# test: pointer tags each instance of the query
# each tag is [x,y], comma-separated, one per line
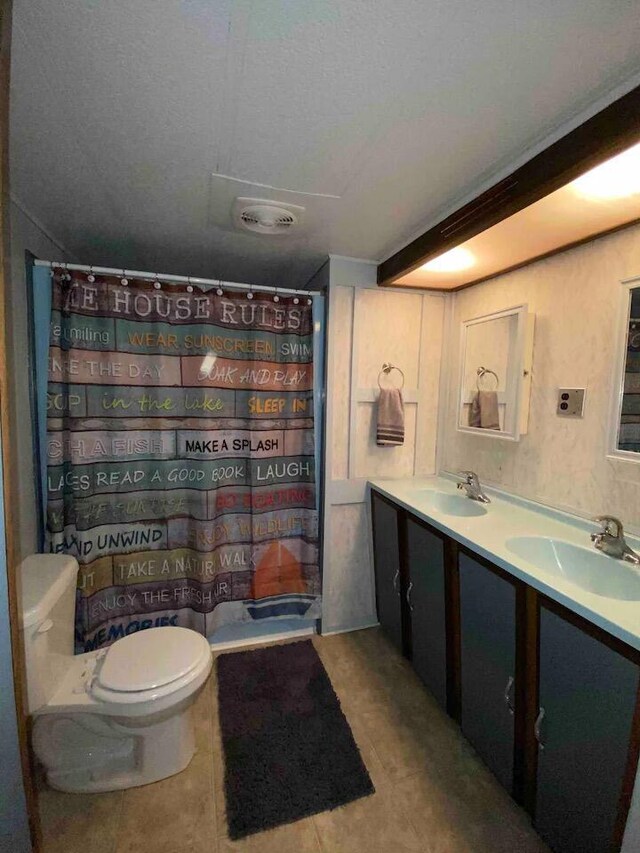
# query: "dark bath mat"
[288,748]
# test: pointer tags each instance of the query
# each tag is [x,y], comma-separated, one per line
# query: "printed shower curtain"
[180,452]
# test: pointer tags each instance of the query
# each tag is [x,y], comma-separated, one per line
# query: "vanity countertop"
[508,517]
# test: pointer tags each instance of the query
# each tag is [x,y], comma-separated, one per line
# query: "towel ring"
[483,371]
[387,367]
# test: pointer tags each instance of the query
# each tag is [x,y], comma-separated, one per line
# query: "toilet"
[108,719]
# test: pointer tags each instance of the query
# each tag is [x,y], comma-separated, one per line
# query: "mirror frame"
[617,384]
[523,371]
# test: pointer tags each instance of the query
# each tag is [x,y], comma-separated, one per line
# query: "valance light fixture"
[618,177]
[452,261]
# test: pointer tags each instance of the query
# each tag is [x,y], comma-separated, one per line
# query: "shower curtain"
[180,454]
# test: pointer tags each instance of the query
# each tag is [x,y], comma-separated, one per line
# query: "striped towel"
[390,430]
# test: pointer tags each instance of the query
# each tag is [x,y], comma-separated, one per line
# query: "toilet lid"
[150,658]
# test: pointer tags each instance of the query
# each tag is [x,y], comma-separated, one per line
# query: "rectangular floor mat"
[288,748]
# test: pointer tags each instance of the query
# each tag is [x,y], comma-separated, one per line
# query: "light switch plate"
[570,402]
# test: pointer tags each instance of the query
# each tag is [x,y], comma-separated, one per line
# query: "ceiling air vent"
[266,217]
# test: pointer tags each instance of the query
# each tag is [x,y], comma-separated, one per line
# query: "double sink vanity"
[528,636]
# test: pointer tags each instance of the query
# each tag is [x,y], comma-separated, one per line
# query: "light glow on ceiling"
[618,177]
[452,261]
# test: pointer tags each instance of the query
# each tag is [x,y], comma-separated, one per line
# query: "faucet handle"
[469,476]
[611,525]
[630,556]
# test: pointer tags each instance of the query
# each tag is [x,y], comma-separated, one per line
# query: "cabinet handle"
[408,596]
[537,727]
[395,582]
[507,695]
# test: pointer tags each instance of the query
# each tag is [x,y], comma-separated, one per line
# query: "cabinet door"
[386,554]
[487,665]
[427,601]
[588,693]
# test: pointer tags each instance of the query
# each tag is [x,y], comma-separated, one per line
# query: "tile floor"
[433,795]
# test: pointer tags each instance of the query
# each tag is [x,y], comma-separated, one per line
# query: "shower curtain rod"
[232,285]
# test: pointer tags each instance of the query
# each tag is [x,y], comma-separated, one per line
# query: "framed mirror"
[624,441]
[495,373]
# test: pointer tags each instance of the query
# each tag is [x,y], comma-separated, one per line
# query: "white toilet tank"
[47,585]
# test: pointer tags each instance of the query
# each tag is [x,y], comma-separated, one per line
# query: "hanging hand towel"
[474,411]
[483,411]
[489,418]
[390,418]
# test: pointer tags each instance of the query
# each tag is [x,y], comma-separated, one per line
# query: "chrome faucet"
[610,540]
[471,484]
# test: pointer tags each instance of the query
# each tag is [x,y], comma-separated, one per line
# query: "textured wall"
[575,297]
[368,326]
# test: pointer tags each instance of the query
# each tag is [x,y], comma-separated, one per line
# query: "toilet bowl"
[108,719]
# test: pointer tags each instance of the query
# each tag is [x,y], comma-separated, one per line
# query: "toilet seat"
[150,659]
[149,665]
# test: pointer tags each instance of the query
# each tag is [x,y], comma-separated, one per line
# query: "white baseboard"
[347,629]
[260,641]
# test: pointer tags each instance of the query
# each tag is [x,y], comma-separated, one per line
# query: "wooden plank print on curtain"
[181,455]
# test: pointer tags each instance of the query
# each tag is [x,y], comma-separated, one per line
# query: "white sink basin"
[588,569]
[454,504]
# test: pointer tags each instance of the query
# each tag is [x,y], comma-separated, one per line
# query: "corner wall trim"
[35,221]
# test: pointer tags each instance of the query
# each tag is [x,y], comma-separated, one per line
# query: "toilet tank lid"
[43,578]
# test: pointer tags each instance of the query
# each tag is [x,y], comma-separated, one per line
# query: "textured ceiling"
[123,113]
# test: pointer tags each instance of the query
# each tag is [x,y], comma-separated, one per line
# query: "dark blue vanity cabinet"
[386,553]
[426,596]
[488,672]
[550,702]
[587,698]
[411,591]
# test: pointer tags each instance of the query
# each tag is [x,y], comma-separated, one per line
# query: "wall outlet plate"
[570,402]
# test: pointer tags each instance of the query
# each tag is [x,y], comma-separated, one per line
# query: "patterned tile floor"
[433,795]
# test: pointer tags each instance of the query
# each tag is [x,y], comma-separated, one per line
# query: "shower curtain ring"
[276,298]
[250,293]
[156,283]
[189,285]
[219,291]
[124,281]
[91,277]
